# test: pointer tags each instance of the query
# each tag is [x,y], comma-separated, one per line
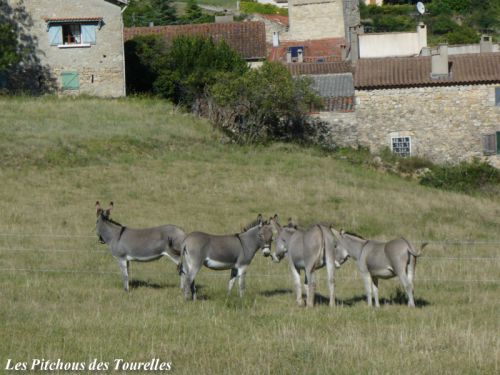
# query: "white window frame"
[401,140]
[81,36]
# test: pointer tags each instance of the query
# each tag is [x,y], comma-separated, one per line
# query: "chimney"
[422,35]
[276,39]
[439,62]
[300,55]
[151,24]
[486,44]
[288,56]
[224,19]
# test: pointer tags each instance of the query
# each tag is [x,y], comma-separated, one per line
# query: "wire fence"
[102,251]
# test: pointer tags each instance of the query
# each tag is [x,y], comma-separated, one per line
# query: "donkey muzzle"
[266,251]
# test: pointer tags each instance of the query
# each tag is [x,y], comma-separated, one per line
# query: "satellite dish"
[421,8]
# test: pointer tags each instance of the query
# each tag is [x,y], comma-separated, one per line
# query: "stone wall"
[316,19]
[446,124]
[100,66]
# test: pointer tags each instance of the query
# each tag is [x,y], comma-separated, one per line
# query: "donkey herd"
[307,249]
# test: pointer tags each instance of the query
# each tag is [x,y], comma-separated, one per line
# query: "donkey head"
[102,215]
[265,236]
[341,247]
[284,234]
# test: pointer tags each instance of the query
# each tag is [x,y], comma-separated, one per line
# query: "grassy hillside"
[60,291]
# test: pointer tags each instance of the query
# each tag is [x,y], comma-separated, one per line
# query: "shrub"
[262,104]
[250,7]
[464,177]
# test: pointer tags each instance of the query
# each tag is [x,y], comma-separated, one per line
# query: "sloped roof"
[416,71]
[327,50]
[248,38]
[333,85]
[319,68]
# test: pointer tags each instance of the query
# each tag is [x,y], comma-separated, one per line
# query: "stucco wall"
[446,124]
[100,66]
[316,19]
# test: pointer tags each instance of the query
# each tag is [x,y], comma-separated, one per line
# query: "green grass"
[60,291]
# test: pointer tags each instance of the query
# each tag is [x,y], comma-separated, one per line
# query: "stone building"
[81,43]
[443,108]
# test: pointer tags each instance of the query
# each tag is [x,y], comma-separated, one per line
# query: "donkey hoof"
[300,303]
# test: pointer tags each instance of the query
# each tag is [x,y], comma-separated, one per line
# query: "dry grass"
[160,166]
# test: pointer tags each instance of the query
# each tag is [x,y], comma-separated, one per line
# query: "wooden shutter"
[55,35]
[70,81]
[88,34]
[497,96]
[490,146]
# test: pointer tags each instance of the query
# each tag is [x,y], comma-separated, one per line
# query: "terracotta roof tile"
[325,50]
[283,20]
[416,71]
[319,68]
[248,38]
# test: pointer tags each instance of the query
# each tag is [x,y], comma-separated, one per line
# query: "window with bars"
[401,146]
[491,144]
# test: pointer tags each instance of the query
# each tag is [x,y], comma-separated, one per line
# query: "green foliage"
[265,103]
[180,71]
[250,7]
[464,177]
[8,47]
[191,65]
[141,53]
[142,12]
[450,21]
[193,14]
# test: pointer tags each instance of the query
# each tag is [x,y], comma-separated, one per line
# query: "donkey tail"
[180,266]
[415,252]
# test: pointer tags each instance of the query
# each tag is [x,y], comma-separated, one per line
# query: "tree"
[191,65]
[143,12]
[264,103]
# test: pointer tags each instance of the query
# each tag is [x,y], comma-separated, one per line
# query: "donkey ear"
[108,211]
[259,218]
[98,208]
[342,232]
[276,218]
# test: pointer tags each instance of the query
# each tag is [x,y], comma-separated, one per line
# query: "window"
[497,96]
[70,81]
[72,34]
[401,146]
[491,143]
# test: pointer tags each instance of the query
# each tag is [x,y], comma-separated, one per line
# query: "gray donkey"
[234,252]
[381,260]
[308,250]
[141,245]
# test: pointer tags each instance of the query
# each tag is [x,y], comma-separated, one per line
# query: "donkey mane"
[355,235]
[112,221]
[252,224]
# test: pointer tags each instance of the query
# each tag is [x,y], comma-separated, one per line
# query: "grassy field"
[60,291]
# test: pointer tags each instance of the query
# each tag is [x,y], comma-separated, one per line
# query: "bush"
[262,104]
[250,7]
[464,177]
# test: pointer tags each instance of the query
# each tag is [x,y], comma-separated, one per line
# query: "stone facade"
[98,66]
[445,123]
[316,19]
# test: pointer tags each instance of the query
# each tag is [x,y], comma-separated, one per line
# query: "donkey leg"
[330,268]
[232,279]
[408,288]
[241,282]
[297,284]
[311,279]
[124,268]
[375,291]
[367,279]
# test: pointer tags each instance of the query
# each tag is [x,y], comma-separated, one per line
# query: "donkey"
[309,250]
[141,245]
[381,260]
[234,252]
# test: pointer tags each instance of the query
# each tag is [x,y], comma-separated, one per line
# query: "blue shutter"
[55,35]
[88,34]
[70,81]
[497,96]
